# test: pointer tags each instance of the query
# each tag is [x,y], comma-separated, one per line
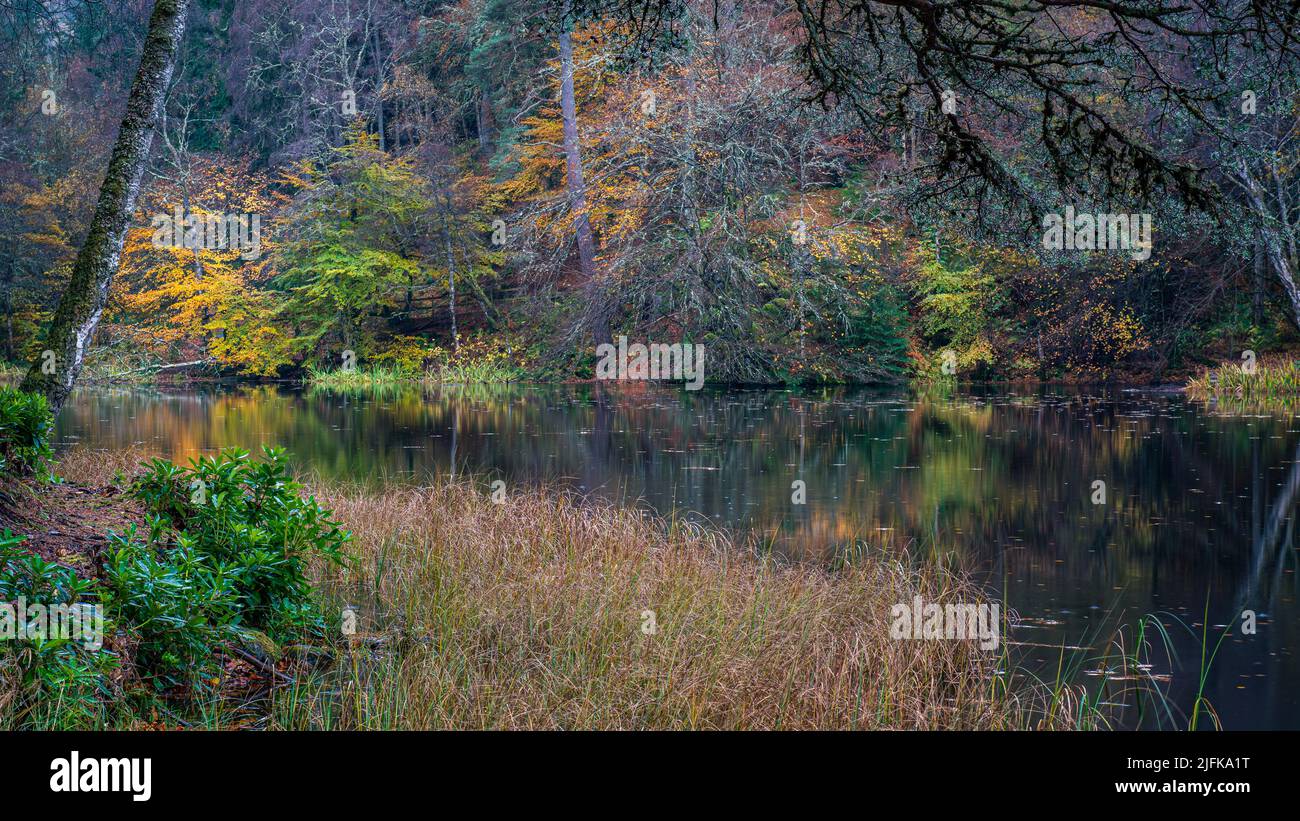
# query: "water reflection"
[1198,515]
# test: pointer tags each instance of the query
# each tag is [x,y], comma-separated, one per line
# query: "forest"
[506,185]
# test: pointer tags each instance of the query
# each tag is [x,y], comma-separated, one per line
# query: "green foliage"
[26,575]
[25,427]
[1268,380]
[177,603]
[229,516]
[1235,328]
[959,303]
[957,299]
[225,558]
[874,341]
[355,256]
[478,361]
[227,550]
[349,379]
[58,682]
[464,372]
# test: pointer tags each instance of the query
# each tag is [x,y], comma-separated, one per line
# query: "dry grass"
[529,614]
[100,468]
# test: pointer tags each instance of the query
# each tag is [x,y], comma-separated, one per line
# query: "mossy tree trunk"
[83,301]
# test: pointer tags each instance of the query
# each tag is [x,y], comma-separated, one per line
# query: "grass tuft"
[1269,380]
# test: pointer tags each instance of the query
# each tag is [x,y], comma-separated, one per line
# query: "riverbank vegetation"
[478,361]
[1275,379]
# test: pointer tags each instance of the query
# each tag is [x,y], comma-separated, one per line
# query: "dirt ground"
[66,522]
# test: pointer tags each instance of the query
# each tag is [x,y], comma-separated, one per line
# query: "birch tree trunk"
[83,301]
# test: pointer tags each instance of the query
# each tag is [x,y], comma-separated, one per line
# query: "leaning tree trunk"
[597,312]
[83,301]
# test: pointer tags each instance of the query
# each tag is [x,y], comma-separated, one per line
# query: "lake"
[1194,522]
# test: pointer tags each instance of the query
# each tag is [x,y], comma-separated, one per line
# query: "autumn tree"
[355,243]
[180,298]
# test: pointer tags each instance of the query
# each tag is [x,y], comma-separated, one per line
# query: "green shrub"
[178,604]
[228,548]
[26,575]
[224,561]
[25,427]
[875,336]
[60,683]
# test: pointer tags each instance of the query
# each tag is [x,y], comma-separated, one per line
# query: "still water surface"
[1198,512]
